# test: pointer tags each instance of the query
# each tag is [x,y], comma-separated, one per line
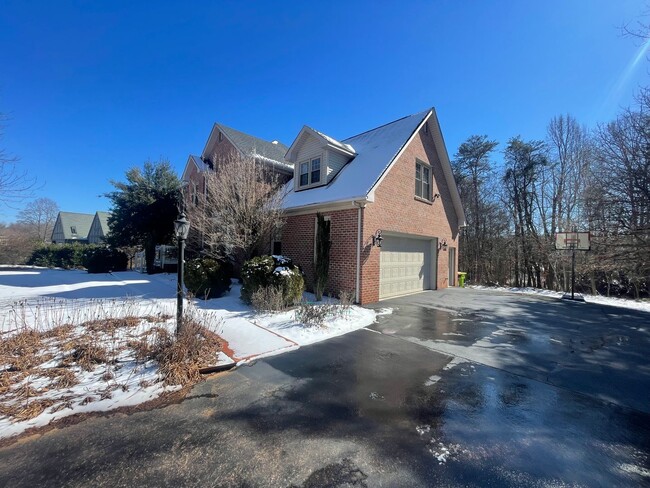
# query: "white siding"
[309,148]
[335,163]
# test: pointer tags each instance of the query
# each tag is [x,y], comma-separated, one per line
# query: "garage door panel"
[404,265]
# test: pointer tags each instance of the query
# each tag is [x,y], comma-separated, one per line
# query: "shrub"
[269,271]
[312,314]
[105,260]
[267,299]
[66,256]
[207,278]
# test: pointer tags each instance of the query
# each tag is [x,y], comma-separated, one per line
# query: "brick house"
[392,202]
[224,142]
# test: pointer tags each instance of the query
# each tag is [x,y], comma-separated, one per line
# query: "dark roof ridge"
[384,125]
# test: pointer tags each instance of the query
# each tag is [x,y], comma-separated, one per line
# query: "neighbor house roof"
[273,152]
[103,221]
[375,151]
[80,221]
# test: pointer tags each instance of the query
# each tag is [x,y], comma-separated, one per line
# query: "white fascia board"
[328,142]
[289,155]
[371,193]
[335,205]
[439,141]
[279,165]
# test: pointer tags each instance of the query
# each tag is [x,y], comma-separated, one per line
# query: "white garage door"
[404,266]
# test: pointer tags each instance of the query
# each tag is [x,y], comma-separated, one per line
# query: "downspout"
[360,205]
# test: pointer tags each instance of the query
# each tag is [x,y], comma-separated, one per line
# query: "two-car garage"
[407,264]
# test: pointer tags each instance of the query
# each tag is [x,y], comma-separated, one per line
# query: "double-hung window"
[422,181]
[310,172]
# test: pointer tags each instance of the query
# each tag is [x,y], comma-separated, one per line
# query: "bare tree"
[15,184]
[39,216]
[16,243]
[238,211]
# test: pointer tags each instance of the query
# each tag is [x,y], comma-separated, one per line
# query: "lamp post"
[181,228]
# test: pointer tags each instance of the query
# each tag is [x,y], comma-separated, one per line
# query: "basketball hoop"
[573,241]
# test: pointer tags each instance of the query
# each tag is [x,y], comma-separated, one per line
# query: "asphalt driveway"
[455,388]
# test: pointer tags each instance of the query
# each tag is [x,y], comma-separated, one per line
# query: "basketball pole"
[573,272]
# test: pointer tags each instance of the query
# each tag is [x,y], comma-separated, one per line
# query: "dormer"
[317,158]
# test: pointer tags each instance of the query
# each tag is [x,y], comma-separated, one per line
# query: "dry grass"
[60,333]
[63,377]
[27,410]
[181,357]
[23,351]
[87,354]
[96,343]
[109,325]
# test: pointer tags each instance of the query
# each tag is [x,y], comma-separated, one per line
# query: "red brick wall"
[396,209]
[298,243]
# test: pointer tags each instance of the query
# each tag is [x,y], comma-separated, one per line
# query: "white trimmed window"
[310,172]
[422,180]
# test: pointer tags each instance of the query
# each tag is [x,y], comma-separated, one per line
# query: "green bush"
[207,278]
[268,271]
[105,260]
[66,256]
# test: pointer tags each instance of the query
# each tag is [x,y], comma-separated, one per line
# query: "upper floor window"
[310,172]
[73,229]
[423,180]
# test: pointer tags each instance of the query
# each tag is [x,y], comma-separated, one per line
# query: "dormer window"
[310,172]
[73,230]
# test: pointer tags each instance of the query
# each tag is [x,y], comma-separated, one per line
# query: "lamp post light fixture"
[181,229]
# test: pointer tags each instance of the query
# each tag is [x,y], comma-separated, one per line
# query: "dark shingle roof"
[80,221]
[250,145]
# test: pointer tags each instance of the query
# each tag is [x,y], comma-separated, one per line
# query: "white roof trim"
[327,141]
[381,177]
[439,142]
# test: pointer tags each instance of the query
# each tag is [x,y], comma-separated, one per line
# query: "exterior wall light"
[377,238]
[442,245]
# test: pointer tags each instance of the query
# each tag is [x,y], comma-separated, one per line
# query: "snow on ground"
[643,305]
[40,299]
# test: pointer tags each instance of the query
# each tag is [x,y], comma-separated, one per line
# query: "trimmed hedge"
[277,271]
[208,278]
[105,260]
[96,258]
[66,256]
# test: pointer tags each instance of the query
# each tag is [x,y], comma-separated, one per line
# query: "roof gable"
[248,145]
[327,142]
[376,149]
[80,221]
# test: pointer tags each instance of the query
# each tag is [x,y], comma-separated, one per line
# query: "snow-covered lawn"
[643,305]
[35,301]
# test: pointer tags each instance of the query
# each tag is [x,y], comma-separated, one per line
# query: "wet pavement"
[511,406]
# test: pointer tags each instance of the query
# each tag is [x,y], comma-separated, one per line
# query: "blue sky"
[94,88]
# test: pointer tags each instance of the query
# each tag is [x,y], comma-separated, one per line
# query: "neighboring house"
[391,199]
[224,142]
[71,227]
[98,228]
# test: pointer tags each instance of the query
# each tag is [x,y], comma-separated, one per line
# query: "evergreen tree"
[144,208]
